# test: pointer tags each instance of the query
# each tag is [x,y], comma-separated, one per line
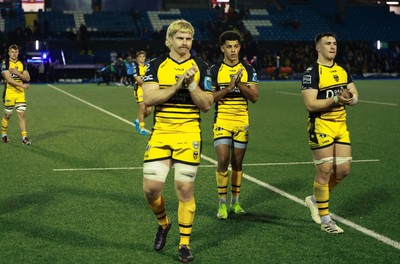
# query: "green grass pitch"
[75,195]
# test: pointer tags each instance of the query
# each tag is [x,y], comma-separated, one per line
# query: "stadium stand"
[267,29]
[377,23]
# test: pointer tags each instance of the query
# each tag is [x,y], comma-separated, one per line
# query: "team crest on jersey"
[336,78]
[196,155]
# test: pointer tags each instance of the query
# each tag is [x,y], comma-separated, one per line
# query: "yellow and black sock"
[185,220]
[4,126]
[236,183]
[321,193]
[222,184]
[158,208]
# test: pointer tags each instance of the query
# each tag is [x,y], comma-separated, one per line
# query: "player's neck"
[179,58]
[325,62]
[231,63]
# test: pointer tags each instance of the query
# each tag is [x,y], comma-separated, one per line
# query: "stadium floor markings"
[207,166]
[368,232]
[361,101]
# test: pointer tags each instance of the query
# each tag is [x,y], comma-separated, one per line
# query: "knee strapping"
[20,108]
[185,173]
[324,160]
[342,160]
[156,171]
[8,110]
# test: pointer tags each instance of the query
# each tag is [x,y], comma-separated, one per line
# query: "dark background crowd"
[272,59]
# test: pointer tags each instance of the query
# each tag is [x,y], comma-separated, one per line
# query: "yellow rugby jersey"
[233,107]
[179,113]
[328,81]
[6,66]
[139,70]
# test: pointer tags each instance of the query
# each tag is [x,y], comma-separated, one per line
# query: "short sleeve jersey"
[179,113]
[232,109]
[6,66]
[328,81]
[139,70]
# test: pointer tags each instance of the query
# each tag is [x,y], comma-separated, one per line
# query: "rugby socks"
[321,193]
[236,182]
[4,126]
[185,220]
[24,134]
[158,208]
[141,124]
[222,184]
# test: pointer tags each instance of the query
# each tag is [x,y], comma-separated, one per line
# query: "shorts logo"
[196,144]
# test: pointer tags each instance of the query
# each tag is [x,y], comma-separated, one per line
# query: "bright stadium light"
[37,44]
[378,44]
[63,57]
[392,2]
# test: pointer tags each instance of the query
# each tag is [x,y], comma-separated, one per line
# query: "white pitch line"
[379,103]
[353,225]
[361,101]
[364,230]
[100,169]
[205,166]
[92,105]
[300,163]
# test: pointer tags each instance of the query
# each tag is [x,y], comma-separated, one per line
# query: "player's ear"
[168,42]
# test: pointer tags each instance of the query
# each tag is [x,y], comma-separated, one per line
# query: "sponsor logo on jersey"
[207,84]
[148,78]
[307,79]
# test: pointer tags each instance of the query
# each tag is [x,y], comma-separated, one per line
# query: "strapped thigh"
[20,107]
[155,170]
[342,160]
[185,173]
[324,160]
